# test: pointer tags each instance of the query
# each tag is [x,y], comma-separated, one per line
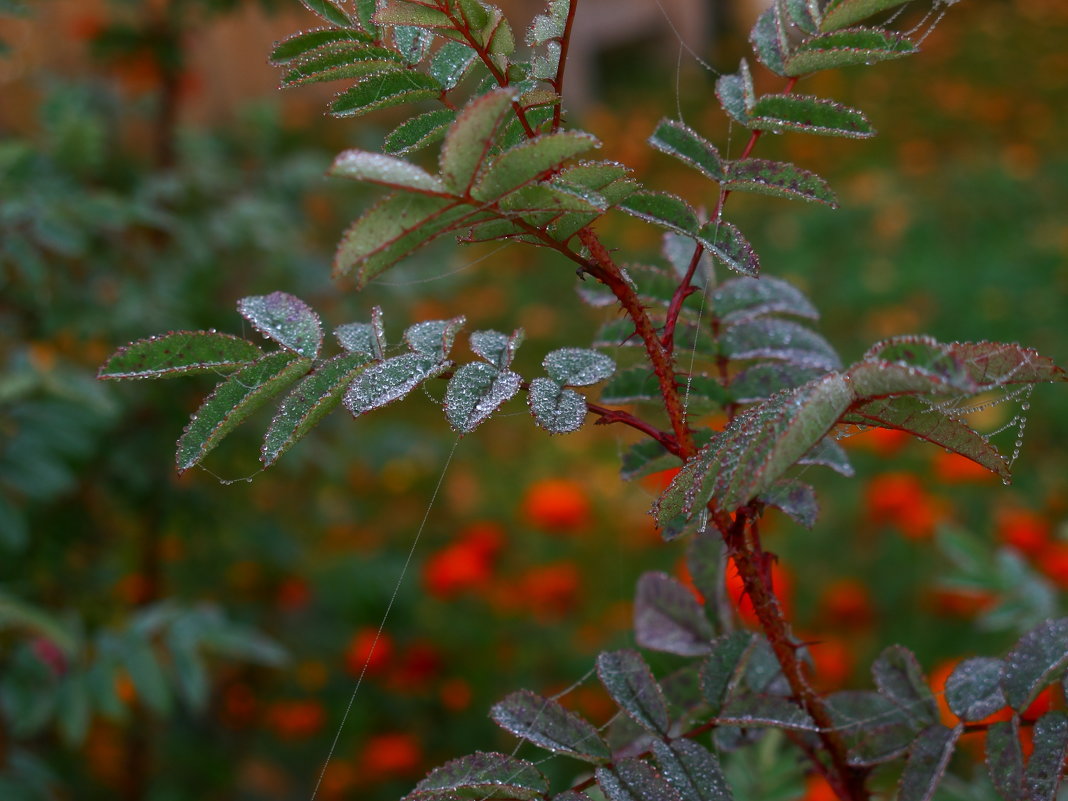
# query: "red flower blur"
[295,720]
[465,565]
[556,504]
[390,755]
[900,500]
[368,647]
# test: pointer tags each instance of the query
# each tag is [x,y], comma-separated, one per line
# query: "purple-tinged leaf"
[418,132]
[545,723]
[997,364]
[847,48]
[705,561]
[469,139]
[770,40]
[1036,660]
[756,448]
[761,381]
[917,360]
[681,141]
[529,161]
[1005,759]
[483,775]
[360,338]
[875,729]
[899,677]
[843,13]
[632,686]
[337,62]
[434,337]
[557,410]
[634,780]
[330,11]
[724,241]
[828,453]
[394,228]
[376,168]
[179,353]
[796,499]
[578,367]
[668,618]
[316,42]
[928,759]
[924,422]
[384,90]
[571,795]
[880,379]
[233,400]
[777,179]
[723,668]
[782,340]
[496,348]
[735,93]
[287,320]
[308,402]
[753,711]
[1045,770]
[763,674]
[692,770]
[743,299]
[973,689]
[663,209]
[389,381]
[475,392]
[814,115]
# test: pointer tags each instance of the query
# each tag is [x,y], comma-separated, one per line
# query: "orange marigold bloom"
[295,720]
[556,504]
[900,500]
[368,647]
[390,755]
[952,468]
[1024,530]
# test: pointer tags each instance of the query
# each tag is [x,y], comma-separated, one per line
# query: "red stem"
[558,81]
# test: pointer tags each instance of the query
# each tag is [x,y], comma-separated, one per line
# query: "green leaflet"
[234,400]
[735,93]
[1039,657]
[434,338]
[746,709]
[804,13]
[557,410]
[755,449]
[928,759]
[451,62]
[384,90]
[412,43]
[418,132]
[578,367]
[1005,759]
[973,689]
[899,677]
[329,10]
[390,230]
[915,417]
[631,779]
[679,140]
[668,618]
[742,299]
[179,353]
[376,168]
[634,385]
[724,241]
[810,115]
[286,319]
[692,770]
[723,668]
[847,48]
[662,208]
[385,382]
[545,723]
[475,392]
[842,13]
[496,348]
[770,40]
[1045,770]
[483,775]
[630,682]
[795,499]
[469,139]
[315,43]
[308,402]
[338,63]
[527,162]
[400,12]
[778,179]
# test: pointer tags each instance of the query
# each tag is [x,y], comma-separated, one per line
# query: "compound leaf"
[308,402]
[632,686]
[476,391]
[286,319]
[483,775]
[179,353]
[668,618]
[557,410]
[545,723]
[234,400]
[777,179]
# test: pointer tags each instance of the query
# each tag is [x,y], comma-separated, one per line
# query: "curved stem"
[558,81]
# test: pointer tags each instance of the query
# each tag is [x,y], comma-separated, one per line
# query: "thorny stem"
[683,291]
[558,81]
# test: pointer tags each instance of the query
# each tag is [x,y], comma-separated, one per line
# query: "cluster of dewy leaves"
[792,38]
[502,171]
[362,377]
[911,384]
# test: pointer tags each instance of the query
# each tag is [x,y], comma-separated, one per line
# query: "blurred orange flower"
[420,663]
[466,564]
[556,504]
[391,755]
[832,660]
[817,789]
[961,601]
[847,602]
[900,500]
[549,591]
[1052,560]
[952,468]
[368,647]
[1024,530]
[295,720]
